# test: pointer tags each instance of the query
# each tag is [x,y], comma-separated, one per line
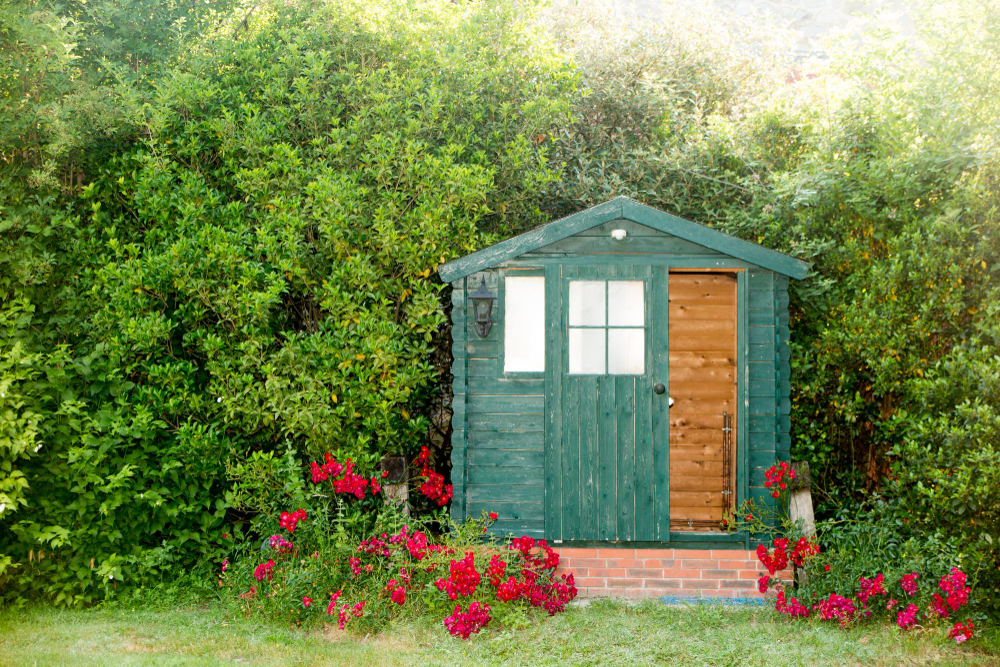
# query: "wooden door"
[610,435]
[703,357]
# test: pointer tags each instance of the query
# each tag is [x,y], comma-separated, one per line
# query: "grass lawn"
[602,633]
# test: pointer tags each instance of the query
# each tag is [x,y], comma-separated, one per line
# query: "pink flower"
[909,583]
[306,601]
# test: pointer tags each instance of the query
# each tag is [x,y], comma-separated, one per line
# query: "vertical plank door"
[703,356]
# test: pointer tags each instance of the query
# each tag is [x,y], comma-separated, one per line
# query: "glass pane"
[586,302]
[524,324]
[586,351]
[626,351]
[625,303]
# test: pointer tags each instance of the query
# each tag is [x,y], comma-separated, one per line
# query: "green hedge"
[219,238]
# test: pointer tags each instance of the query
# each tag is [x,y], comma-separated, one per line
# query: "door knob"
[659,388]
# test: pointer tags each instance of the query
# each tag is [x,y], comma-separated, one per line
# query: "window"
[606,320]
[524,324]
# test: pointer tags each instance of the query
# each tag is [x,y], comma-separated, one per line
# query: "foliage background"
[219,228]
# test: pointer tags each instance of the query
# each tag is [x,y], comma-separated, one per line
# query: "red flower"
[961,632]
[493,516]
[836,607]
[306,601]
[289,519]
[774,560]
[909,583]
[790,607]
[954,586]
[908,617]
[264,571]
[774,476]
[871,588]
[333,603]
[463,624]
[462,578]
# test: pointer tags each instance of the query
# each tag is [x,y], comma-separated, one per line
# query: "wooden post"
[396,482]
[800,507]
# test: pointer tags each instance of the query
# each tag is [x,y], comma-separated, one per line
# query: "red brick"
[692,553]
[749,574]
[623,562]
[654,553]
[643,573]
[616,553]
[590,582]
[681,574]
[737,565]
[719,574]
[607,572]
[577,552]
[743,584]
[740,554]
[699,583]
[625,583]
[663,583]
[698,563]
[684,593]
[659,562]
[586,562]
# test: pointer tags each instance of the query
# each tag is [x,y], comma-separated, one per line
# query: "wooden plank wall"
[764,388]
[497,441]
[498,458]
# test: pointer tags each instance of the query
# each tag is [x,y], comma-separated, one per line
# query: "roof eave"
[615,209]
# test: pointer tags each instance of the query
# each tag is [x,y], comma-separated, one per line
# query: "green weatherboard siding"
[585,458]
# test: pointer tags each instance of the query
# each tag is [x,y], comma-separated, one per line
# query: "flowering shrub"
[465,579]
[827,594]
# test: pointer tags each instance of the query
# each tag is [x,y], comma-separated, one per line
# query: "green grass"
[602,633]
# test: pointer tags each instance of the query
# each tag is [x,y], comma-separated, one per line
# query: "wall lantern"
[482,306]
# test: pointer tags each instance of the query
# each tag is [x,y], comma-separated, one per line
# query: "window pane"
[626,351]
[524,324]
[586,351]
[625,303]
[586,302]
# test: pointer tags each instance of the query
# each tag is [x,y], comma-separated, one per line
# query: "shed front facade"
[631,388]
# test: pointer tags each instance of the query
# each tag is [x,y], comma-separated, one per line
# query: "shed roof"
[623,208]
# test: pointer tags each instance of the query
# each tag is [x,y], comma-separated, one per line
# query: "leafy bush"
[253,269]
[220,229]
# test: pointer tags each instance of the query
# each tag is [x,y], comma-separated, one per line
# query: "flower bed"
[910,599]
[309,571]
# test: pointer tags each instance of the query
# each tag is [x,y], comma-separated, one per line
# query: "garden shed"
[621,382]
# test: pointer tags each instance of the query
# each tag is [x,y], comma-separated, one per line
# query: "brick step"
[638,573]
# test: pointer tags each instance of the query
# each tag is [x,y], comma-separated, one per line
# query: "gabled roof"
[623,208]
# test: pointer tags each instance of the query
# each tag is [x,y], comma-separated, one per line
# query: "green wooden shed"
[631,382]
